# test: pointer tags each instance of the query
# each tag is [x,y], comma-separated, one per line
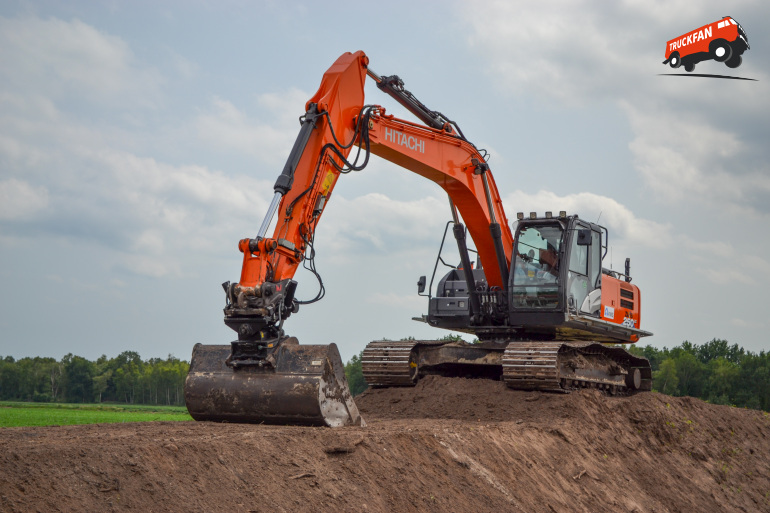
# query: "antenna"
[600,216]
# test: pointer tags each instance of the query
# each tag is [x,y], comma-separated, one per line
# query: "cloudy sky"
[139,142]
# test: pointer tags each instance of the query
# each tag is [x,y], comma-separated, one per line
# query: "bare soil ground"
[449,444]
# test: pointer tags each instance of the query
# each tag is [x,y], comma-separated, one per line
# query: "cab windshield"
[536,267]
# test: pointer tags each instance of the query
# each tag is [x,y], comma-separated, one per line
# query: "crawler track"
[532,366]
[565,366]
[387,364]
[524,365]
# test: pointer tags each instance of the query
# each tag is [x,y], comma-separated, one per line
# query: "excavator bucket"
[301,385]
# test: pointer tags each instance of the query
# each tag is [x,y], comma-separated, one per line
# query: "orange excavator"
[546,314]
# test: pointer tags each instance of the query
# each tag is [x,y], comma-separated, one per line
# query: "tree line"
[125,378]
[716,371]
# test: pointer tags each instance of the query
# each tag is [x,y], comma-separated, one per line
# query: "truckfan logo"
[723,41]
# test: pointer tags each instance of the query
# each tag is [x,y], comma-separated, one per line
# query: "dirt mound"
[445,445]
[435,397]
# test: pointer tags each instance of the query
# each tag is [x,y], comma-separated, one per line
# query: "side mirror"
[421,285]
[584,237]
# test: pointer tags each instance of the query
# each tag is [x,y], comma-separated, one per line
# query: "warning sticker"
[327,183]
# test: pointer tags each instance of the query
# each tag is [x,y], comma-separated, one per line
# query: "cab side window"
[596,258]
[578,262]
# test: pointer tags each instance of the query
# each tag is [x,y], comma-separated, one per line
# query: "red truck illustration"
[723,40]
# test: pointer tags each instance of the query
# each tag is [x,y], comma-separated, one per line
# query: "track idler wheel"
[634,379]
[301,385]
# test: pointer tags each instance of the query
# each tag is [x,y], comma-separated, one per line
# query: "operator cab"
[557,289]
[556,262]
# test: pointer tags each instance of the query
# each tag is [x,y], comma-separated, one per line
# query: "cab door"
[585,269]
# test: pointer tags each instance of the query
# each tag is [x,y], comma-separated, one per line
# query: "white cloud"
[165,209]
[686,155]
[147,211]
[285,107]
[81,178]
[145,180]
[411,302]
[578,51]
[56,56]
[565,50]
[717,249]
[144,265]
[375,222]
[621,222]
[150,241]
[725,262]
[688,133]
[227,128]
[19,200]
[726,276]
[743,323]
[184,67]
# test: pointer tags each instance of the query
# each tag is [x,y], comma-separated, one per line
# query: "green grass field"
[13,414]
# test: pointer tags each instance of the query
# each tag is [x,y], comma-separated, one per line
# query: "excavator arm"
[458,167]
[264,295]
[335,123]
[265,375]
